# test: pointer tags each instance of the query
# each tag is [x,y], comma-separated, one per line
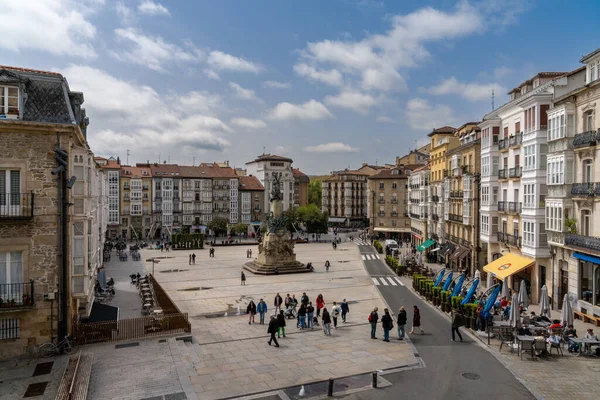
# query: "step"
[268,270]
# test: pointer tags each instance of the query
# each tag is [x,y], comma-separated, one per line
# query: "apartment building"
[197,197]
[112,169]
[388,213]
[519,159]
[136,202]
[572,209]
[417,156]
[441,141]
[166,200]
[301,181]
[263,168]
[461,184]
[345,198]
[251,201]
[38,115]
[418,205]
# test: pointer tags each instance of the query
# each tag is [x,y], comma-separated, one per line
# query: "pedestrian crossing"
[387,281]
[368,257]
[361,242]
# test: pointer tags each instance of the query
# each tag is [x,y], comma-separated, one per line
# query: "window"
[592,72]
[10,192]
[485,166]
[555,171]
[495,195]
[9,101]
[587,171]
[554,217]
[589,121]
[10,328]
[136,209]
[394,185]
[485,195]
[528,233]
[528,196]
[78,249]
[529,156]
[586,223]
[485,224]
[11,271]
[381,185]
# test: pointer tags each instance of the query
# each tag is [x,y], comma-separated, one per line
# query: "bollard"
[330,388]
[374,379]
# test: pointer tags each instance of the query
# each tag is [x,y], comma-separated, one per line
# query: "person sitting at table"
[536,318]
[507,310]
[568,334]
[592,336]
[555,324]
[524,331]
[553,339]
[503,302]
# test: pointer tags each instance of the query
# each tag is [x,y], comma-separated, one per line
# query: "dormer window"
[9,102]
[593,75]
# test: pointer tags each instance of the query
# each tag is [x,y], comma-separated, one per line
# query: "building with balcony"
[513,181]
[344,198]
[417,156]
[196,197]
[39,113]
[301,182]
[136,203]
[251,201]
[263,168]
[388,209]
[572,207]
[112,169]
[166,200]
[417,196]
[462,219]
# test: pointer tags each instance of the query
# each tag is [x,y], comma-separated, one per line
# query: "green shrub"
[436,291]
[378,246]
[470,309]
[188,241]
[428,285]
[444,295]
[455,301]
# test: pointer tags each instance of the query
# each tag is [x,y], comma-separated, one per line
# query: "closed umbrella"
[458,285]
[477,275]
[505,292]
[545,302]
[566,315]
[420,259]
[448,281]
[514,317]
[470,293]
[490,302]
[523,298]
[439,278]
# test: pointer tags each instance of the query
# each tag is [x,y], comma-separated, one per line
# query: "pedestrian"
[345,310]
[250,251]
[277,303]
[327,264]
[458,320]
[261,308]
[251,310]
[288,300]
[335,313]
[243,279]
[304,299]
[294,302]
[387,324]
[190,260]
[416,321]
[310,312]
[280,324]
[273,328]
[193,258]
[373,319]
[326,323]
[302,316]
[320,303]
[401,323]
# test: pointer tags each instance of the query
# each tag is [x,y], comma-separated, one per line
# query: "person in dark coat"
[458,320]
[326,322]
[302,316]
[345,309]
[386,324]
[251,311]
[273,328]
[280,324]
[304,299]
[277,303]
[373,319]
[401,322]
[416,320]
[243,276]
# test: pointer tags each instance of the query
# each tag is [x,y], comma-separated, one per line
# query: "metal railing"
[465,242]
[513,240]
[503,174]
[515,207]
[515,140]
[585,139]
[16,295]
[589,189]
[457,194]
[16,205]
[584,242]
[381,213]
[503,144]
[515,172]
[502,206]
[456,218]
[424,216]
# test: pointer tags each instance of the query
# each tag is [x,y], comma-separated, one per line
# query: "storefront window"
[586,274]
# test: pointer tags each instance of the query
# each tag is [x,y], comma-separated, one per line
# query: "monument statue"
[276,250]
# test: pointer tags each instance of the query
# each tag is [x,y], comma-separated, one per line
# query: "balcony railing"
[589,189]
[424,216]
[16,295]
[456,218]
[515,207]
[394,201]
[583,242]
[465,242]
[585,139]
[14,206]
[502,206]
[394,214]
[502,173]
[415,216]
[381,214]
[435,198]
[515,140]
[515,172]
[513,240]
[503,144]
[457,194]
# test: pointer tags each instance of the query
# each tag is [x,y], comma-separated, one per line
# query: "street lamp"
[154,260]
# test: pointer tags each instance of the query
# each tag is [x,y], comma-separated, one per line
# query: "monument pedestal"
[276,251]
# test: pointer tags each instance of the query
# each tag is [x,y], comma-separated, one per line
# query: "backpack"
[371,317]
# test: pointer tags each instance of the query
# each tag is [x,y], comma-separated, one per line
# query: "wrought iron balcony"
[513,240]
[515,140]
[465,242]
[456,218]
[457,194]
[381,201]
[503,144]
[424,216]
[394,201]
[502,173]
[515,172]
[435,198]
[515,207]
[381,214]
[415,216]
[16,296]
[16,206]
[502,206]
[583,242]
[585,139]
[590,189]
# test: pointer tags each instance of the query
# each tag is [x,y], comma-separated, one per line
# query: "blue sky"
[328,83]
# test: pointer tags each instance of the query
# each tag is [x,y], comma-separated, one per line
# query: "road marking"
[375,281]
[392,281]
[364,257]
[384,281]
[377,256]
[399,281]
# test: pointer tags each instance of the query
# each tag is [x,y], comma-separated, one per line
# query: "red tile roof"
[135,172]
[250,182]
[298,173]
[165,169]
[270,157]
[34,71]
[443,129]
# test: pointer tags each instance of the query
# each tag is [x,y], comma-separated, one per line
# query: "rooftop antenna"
[127,157]
[493,108]
[169,159]
[264,149]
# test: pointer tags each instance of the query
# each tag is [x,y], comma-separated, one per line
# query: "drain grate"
[176,396]
[471,376]
[125,345]
[186,339]
[192,289]
[43,368]
[344,261]
[35,389]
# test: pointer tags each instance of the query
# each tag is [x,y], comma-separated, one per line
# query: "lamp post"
[154,260]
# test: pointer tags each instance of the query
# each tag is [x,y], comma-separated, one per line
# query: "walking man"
[457,321]
[401,322]
[302,316]
[193,258]
[243,279]
[386,324]
[273,328]
[277,303]
[373,318]
[326,323]
[250,253]
[416,321]
[335,313]
[261,308]
[280,324]
[190,260]
[327,264]
[345,310]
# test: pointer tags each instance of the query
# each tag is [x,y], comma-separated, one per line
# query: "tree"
[240,228]
[218,225]
[315,192]
[312,217]
[291,221]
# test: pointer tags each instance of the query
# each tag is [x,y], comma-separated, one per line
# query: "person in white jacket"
[335,313]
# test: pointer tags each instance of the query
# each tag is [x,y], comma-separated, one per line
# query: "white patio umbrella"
[545,302]
[514,317]
[505,292]
[420,259]
[523,298]
[477,275]
[566,314]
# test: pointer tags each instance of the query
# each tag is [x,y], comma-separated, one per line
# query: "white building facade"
[264,167]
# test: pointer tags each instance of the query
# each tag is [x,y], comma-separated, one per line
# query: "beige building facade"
[388,213]
[345,198]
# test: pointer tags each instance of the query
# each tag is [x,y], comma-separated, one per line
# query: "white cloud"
[198,102]
[423,116]
[278,85]
[127,115]
[503,72]
[248,123]
[469,90]
[385,119]
[149,7]
[124,13]
[311,110]
[333,147]
[153,52]
[242,93]
[223,61]
[281,150]
[59,27]
[212,74]
[331,77]
[356,101]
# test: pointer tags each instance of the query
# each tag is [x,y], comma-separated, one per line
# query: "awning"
[103,312]
[399,230]
[426,244]
[447,250]
[586,257]
[508,265]
[459,253]
[337,219]
[434,250]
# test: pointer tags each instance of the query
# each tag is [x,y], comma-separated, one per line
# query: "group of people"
[192,258]
[387,322]
[249,253]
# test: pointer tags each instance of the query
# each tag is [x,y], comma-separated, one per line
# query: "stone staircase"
[259,269]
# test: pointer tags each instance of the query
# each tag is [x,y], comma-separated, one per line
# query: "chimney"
[118,160]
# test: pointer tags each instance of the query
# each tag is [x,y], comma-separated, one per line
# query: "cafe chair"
[527,347]
[557,347]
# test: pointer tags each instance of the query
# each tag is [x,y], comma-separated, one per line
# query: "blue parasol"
[490,302]
[458,285]
[448,281]
[439,277]
[470,293]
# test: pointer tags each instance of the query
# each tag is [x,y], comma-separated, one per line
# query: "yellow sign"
[508,265]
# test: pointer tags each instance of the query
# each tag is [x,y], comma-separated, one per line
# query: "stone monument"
[276,250]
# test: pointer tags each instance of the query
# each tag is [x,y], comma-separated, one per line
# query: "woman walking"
[251,310]
[457,321]
[386,324]
[416,321]
[243,276]
[320,303]
[326,322]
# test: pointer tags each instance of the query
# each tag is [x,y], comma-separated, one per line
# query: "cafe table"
[583,341]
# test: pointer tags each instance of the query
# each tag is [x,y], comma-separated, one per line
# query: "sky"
[328,83]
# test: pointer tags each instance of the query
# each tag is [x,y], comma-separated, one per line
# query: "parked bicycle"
[50,349]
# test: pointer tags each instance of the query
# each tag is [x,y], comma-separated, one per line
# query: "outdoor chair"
[527,347]
[540,346]
[506,338]
[526,320]
[558,348]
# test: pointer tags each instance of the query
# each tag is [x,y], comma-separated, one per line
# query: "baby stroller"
[315,321]
[290,312]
